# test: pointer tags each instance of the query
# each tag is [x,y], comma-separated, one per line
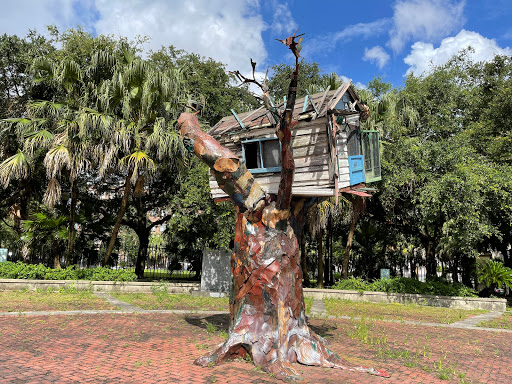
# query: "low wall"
[97,286]
[494,305]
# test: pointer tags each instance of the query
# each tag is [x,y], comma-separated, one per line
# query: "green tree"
[309,77]
[45,227]
[493,274]
[197,222]
[139,106]
[208,82]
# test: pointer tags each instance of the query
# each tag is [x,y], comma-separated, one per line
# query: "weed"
[211,328]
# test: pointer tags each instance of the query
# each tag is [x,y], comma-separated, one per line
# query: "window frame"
[259,141]
[372,137]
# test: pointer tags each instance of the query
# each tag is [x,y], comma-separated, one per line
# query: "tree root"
[307,349]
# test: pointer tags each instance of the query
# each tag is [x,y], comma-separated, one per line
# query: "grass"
[50,300]
[413,312]
[166,301]
[308,302]
[417,354]
[163,274]
[502,322]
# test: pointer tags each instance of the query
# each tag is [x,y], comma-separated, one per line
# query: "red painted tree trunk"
[267,313]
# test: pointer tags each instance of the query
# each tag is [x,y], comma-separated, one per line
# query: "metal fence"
[160,264]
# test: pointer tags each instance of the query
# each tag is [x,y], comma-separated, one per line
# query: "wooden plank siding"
[310,150]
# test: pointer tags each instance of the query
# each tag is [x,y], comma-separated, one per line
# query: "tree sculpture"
[267,310]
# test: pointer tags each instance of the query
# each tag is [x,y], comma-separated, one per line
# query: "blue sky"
[355,39]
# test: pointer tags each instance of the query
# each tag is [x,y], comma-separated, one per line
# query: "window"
[262,155]
[345,102]
[354,143]
[371,152]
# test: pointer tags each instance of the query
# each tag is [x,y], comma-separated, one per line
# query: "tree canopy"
[87,134]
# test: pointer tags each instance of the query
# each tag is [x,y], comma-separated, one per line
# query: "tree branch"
[160,221]
[231,174]
[284,133]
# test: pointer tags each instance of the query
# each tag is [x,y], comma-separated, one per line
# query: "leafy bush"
[406,285]
[493,274]
[19,270]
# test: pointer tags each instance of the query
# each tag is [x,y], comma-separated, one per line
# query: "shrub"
[19,270]
[406,285]
[493,274]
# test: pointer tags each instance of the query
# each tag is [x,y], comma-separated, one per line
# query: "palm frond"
[39,139]
[140,161]
[44,69]
[53,193]
[15,167]
[56,159]
[70,75]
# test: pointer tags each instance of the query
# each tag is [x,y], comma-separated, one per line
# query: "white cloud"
[376,55]
[17,17]
[423,55]
[283,21]
[429,20]
[327,43]
[230,34]
[362,30]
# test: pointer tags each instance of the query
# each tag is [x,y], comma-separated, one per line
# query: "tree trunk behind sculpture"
[267,313]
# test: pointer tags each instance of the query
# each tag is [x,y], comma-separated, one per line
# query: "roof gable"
[317,105]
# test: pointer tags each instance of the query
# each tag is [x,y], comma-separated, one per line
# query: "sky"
[358,40]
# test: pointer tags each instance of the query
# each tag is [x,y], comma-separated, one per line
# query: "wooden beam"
[238,119]
[338,95]
[316,114]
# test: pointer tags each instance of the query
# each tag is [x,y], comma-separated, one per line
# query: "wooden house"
[332,154]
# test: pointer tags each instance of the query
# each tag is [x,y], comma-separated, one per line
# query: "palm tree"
[318,216]
[45,227]
[143,104]
[67,131]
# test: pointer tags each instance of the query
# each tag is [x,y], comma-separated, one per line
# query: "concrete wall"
[495,305]
[97,286]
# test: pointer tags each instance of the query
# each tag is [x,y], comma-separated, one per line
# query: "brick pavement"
[160,348]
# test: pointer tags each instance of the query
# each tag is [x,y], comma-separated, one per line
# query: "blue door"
[356,169]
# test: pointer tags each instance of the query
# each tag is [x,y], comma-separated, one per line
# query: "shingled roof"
[322,101]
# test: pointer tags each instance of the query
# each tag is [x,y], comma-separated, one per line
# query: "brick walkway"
[160,347]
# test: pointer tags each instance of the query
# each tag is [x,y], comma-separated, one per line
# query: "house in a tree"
[332,153]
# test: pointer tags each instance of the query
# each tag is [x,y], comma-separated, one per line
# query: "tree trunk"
[319,239]
[267,315]
[430,258]
[346,259]
[507,260]
[143,235]
[327,261]
[303,261]
[56,254]
[72,218]
[331,267]
[120,214]
[142,254]
[455,270]
[468,270]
